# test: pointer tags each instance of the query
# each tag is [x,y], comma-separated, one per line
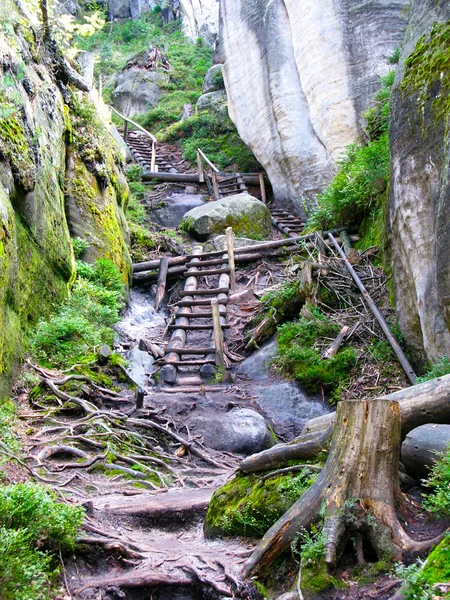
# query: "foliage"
[32,521]
[7,420]
[439,480]
[414,585]
[218,138]
[441,368]
[169,109]
[360,184]
[79,246]
[85,321]
[135,211]
[297,357]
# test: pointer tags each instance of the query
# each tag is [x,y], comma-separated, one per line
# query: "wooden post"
[140,394]
[379,317]
[230,250]
[321,246]
[153,167]
[262,185]
[125,130]
[162,278]
[218,334]
[201,176]
[215,186]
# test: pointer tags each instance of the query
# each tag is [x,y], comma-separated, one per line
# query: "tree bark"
[357,486]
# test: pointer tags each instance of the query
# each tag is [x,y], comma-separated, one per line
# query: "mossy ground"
[248,507]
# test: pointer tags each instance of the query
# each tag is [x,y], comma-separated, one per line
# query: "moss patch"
[248,507]
[437,568]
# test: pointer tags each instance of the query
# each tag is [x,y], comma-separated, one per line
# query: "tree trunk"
[357,486]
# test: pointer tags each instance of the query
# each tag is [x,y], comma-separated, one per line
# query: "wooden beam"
[218,334]
[162,279]
[230,252]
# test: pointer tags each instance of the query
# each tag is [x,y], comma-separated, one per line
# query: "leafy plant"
[85,321]
[414,585]
[439,480]
[441,368]
[298,357]
[7,419]
[79,246]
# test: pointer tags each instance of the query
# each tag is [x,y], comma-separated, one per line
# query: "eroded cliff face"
[38,132]
[201,19]
[298,77]
[419,199]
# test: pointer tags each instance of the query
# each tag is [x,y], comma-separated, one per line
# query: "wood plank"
[187,363]
[211,292]
[190,351]
[207,272]
[196,327]
[207,263]
[218,335]
[201,302]
[162,279]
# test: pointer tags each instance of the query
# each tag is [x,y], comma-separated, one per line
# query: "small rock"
[104,354]
[191,189]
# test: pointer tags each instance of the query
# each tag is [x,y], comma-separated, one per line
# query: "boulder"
[173,209]
[421,447]
[213,102]
[219,242]
[246,215]
[136,91]
[242,431]
[213,81]
[257,366]
[140,365]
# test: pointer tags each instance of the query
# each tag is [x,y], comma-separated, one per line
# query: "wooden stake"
[215,186]
[162,279]
[262,186]
[379,317]
[332,350]
[201,176]
[218,334]
[230,251]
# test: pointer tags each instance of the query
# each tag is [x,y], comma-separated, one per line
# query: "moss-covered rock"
[247,506]
[437,568]
[246,215]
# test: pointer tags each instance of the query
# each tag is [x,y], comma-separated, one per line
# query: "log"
[230,252]
[170,177]
[202,302]
[421,447]
[192,351]
[332,350]
[209,272]
[262,187]
[162,279]
[217,334]
[356,490]
[195,327]
[379,317]
[427,402]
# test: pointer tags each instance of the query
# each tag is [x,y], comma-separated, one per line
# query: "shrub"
[297,357]
[441,368]
[85,321]
[7,419]
[439,480]
[79,246]
[32,525]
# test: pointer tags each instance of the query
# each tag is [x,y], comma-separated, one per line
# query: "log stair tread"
[207,272]
[210,292]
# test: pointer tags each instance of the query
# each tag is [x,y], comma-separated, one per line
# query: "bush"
[439,480]
[297,357]
[32,521]
[441,368]
[85,321]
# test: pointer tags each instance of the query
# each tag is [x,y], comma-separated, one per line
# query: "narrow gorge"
[224,299]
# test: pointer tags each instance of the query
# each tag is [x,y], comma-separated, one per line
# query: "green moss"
[437,567]
[15,146]
[248,507]
[427,74]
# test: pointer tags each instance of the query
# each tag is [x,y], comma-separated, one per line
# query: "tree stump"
[357,486]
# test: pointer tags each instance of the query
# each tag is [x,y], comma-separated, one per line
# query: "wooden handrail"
[128,120]
[208,162]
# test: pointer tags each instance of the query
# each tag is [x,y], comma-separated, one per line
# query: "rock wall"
[298,77]
[37,130]
[419,199]
[201,19]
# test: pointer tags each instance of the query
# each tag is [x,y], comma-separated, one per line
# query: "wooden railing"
[208,173]
[126,121]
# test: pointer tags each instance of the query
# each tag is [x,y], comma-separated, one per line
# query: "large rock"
[242,431]
[213,81]
[200,19]
[215,102]
[298,77]
[136,91]
[421,447]
[247,216]
[419,191]
[171,211]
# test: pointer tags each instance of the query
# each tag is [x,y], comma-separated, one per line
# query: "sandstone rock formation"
[136,91]
[298,77]
[419,199]
[37,133]
[201,19]
[245,214]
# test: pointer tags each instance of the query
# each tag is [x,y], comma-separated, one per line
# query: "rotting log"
[334,347]
[357,488]
[427,402]
[422,446]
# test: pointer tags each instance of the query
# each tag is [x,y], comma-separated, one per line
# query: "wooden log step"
[195,327]
[190,351]
[188,363]
[224,186]
[229,178]
[205,302]
[207,272]
[192,389]
[198,315]
[208,263]
[210,292]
